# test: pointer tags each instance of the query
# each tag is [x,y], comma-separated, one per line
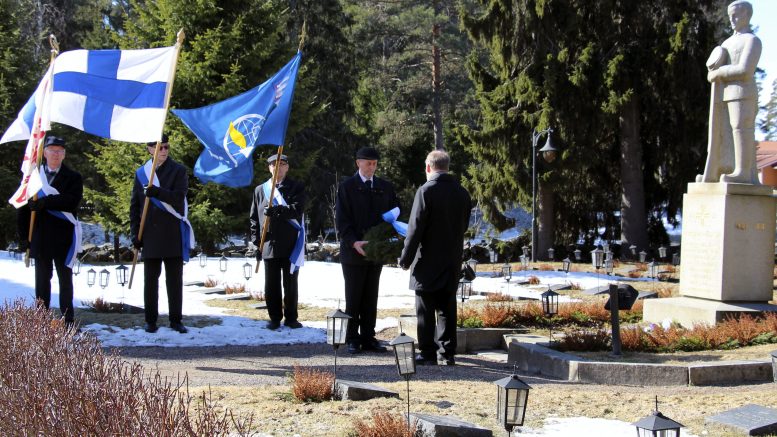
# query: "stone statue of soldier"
[734,102]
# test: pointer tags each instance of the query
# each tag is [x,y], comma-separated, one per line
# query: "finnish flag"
[115,94]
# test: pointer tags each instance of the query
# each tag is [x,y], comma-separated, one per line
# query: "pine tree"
[768,122]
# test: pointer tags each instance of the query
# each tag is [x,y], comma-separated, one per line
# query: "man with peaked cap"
[56,236]
[167,236]
[362,199]
[283,251]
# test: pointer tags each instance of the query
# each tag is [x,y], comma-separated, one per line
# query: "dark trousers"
[43,272]
[174,283]
[436,337]
[361,300]
[280,306]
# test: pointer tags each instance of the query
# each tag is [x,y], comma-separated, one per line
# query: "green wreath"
[384,246]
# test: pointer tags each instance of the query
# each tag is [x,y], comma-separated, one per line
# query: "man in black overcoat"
[433,249]
[54,232]
[284,244]
[362,199]
[166,234]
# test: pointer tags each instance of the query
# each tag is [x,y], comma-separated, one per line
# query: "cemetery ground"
[256,379]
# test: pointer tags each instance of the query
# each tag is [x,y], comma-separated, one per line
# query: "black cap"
[368,153]
[271,159]
[163,141]
[54,141]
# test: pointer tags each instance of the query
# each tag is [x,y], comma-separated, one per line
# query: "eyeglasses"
[55,152]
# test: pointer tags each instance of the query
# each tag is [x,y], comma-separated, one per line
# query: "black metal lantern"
[642,256]
[525,262]
[512,395]
[336,329]
[597,258]
[551,254]
[76,267]
[404,353]
[566,264]
[465,290]
[676,259]
[550,302]
[606,247]
[91,275]
[633,249]
[774,365]
[473,264]
[223,264]
[203,259]
[653,269]
[507,271]
[657,425]
[609,266]
[247,270]
[662,252]
[104,276]
[121,275]
[607,256]
[578,254]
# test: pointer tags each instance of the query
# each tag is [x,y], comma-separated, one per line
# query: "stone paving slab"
[750,419]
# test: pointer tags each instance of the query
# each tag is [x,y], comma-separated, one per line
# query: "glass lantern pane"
[501,404]
[330,330]
[341,331]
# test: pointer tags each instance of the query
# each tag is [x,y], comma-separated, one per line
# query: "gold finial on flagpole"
[54,45]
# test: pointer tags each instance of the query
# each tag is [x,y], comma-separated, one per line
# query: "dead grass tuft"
[545,268]
[100,305]
[234,288]
[496,316]
[210,282]
[633,274]
[533,280]
[311,385]
[385,424]
[256,295]
[499,297]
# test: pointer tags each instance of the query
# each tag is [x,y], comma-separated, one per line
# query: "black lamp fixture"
[565,266]
[91,275]
[642,256]
[578,254]
[247,270]
[336,329]
[662,252]
[121,275]
[525,262]
[551,254]
[676,259]
[609,266]
[597,259]
[203,259]
[657,425]
[512,395]
[473,264]
[223,263]
[404,353]
[507,271]
[104,276]
[465,290]
[550,308]
[77,267]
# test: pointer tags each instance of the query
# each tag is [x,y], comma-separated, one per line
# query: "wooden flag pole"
[54,52]
[179,42]
[266,223]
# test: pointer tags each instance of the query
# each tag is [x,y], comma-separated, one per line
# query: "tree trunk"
[545,220]
[116,257]
[633,217]
[436,105]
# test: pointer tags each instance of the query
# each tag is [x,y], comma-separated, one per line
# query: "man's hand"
[152,191]
[37,205]
[137,244]
[273,211]
[359,247]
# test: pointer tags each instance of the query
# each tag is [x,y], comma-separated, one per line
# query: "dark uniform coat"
[162,231]
[52,235]
[281,235]
[358,208]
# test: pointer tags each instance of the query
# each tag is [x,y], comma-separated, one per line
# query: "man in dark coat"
[166,235]
[56,235]
[284,244]
[362,199]
[434,248]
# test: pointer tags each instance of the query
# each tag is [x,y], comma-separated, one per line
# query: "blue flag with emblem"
[233,128]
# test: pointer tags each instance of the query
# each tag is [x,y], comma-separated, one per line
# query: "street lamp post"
[549,154]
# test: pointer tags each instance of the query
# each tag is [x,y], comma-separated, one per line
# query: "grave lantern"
[91,275]
[247,270]
[223,263]
[608,256]
[336,329]
[653,269]
[657,425]
[566,264]
[774,365]
[609,265]
[511,397]
[676,259]
[597,258]
[525,262]
[473,264]
[551,254]
[465,290]
[550,308]
[633,250]
[642,256]
[507,271]
[121,275]
[203,259]
[77,267]
[525,250]
[606,247]
[662,252]
[104,275]
[492,255]
[404,353]
[578,254]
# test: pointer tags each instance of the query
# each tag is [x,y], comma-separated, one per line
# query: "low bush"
[234,288]
[496,316]
[499,297]
[533,280]
[584,340]
[58,382]
[385,424]
[100,305]
[256,295]
[634,274]
[311,385]
[210,282]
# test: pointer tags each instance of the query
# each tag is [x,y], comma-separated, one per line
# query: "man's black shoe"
[150,328]
[272,324]
[373,345]
[293,325]
[446,360]
[420,360]
[179,327]
[353,347]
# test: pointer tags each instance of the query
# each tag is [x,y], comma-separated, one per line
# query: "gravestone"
[447,426]
[361,391]
[751,419]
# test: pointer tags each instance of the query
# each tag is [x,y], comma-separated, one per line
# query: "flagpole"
[54,52]
[266,223]
[179,42]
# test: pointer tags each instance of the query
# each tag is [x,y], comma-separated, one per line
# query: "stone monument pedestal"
[727,257]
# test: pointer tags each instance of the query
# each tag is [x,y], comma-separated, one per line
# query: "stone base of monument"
[727,258]
[447,426]
[361,391]
[688,310]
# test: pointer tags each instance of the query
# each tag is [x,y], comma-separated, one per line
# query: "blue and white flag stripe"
[75,246]
[187,233]
[297,257]
[116,94]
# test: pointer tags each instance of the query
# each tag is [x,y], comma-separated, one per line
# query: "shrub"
[533,280]
[575,286]
[234,288]
[385,424]
[256,295]
[495,316]
[642,267]
[102,306]
[210,282]
[54,381]
[499,297]
[469,318]
[584,340]
[311,385]
[633,274]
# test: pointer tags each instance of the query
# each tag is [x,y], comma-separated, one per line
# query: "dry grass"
[384,424]
[102,306]
[499,297]
[634,274]
[533,280]
[305,312]
[234,288]
[311,385]
[210,282]
[545,267]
